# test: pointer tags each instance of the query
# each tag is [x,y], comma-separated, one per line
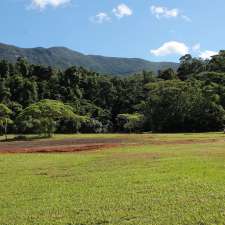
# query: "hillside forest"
[40,99]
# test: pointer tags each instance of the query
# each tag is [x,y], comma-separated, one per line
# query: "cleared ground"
[87,142]
[125,179]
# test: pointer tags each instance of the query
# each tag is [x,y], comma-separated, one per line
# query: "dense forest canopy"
[189,99]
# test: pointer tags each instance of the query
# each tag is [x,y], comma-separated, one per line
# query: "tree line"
[40,99]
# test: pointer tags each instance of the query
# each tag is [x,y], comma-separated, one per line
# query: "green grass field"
[145,184]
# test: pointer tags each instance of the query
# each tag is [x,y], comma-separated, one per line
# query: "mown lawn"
[151,184]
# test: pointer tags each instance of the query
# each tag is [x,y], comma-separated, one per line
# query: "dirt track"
[87,144]
[66,145]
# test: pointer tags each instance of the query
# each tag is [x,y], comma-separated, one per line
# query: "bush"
[130,122]
[92,126]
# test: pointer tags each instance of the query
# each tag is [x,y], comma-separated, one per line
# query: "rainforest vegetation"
[40,99]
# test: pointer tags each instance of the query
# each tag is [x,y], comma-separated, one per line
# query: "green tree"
[4,69]
[217,63]
[130,122]
[22,67]
[175,106]
[92,126]
[23,90]
[5,120]
[190,66]
[48,112]
[168,74]
[5,93]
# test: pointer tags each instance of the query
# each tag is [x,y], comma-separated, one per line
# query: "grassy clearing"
[147,184]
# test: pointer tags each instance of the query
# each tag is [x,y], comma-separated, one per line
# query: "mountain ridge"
[63,58]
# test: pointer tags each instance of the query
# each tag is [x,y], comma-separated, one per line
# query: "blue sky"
[157,30]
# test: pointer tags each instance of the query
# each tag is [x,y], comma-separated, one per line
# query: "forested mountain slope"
[63,58]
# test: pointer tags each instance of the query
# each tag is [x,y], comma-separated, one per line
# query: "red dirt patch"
[86,144]
[59,149]
[57,146]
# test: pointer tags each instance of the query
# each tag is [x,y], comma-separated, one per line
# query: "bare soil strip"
[51,146]
[85,144]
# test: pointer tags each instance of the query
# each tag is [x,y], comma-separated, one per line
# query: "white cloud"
[122,10]
[171,48]
[101,18]
[42,4]
[160,11]
[196,47]
[186,18]
[163,12]
[180,48]
[207,54]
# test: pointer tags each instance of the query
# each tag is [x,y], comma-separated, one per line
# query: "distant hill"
[63,58]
